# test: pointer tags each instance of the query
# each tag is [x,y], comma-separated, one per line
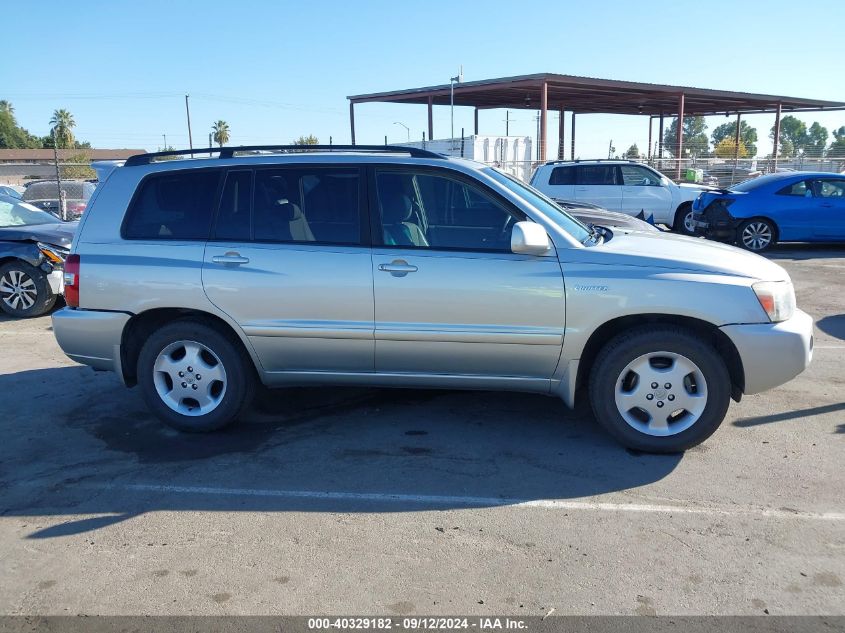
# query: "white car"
[623,186]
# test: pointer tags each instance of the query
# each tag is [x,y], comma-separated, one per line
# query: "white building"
[512,154]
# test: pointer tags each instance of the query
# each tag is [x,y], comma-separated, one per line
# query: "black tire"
[760,227]
[239,384]
[629,346]
[680,216]
[19,274]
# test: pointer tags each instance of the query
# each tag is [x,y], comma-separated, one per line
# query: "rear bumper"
[91,337]
[773,353]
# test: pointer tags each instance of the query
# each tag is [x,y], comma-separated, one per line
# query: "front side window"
[597,175]
[799,189]
[830,188]
[634,175]
[307,205]
[425,210]
[173,206]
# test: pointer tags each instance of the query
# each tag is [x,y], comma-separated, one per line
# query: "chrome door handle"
[398,268]
[230,258]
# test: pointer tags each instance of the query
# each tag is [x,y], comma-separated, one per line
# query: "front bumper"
[56,281]
[721,227]
[773,353]
[91,337]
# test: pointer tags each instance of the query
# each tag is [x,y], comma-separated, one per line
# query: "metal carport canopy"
[588,95]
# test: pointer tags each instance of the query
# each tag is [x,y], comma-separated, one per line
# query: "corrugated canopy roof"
[590,95]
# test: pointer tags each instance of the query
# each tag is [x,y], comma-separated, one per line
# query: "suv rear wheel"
[659,389]
[24,290]
[195,378]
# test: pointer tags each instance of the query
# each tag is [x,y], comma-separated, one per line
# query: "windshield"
[16,213]
[543,204]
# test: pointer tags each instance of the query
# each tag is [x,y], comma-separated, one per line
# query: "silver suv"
[398,267]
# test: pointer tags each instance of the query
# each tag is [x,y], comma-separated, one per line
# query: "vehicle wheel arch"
[721,341]
[141,325]
[680,211]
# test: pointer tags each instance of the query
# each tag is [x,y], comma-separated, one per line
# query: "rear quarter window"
[562,176]
[173,206]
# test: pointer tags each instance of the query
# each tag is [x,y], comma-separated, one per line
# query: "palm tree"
[221,132]
[6,107]
[62,130]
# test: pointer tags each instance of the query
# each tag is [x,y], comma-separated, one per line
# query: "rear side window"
[307,205]
[597,175]
[562,176]
[799,188]
[173,206]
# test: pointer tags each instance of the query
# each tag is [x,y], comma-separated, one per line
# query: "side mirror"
[529,238]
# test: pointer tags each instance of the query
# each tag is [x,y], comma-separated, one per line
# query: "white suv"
[621,185]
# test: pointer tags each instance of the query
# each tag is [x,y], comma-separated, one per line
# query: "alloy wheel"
[18,290]
[189,378]
[661,393]
[756,236]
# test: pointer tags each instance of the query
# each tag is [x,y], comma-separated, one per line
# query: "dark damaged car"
[33,248]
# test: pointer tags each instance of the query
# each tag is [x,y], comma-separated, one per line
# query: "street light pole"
[190,140]
[407,129]
[452,81]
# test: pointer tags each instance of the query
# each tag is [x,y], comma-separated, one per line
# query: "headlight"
[53,254]
[777,299]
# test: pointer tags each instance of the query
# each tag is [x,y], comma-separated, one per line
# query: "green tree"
[726,148]
[837,148]
[307,140]
[633,152]
[13,136]
[81,169]
[62,128]
[221,132]
[816,140]
[747,136]
[695,139]
[793,135]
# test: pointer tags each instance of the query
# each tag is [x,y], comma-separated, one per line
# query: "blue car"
[784,207]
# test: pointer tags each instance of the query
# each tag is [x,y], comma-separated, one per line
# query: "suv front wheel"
[660,389]
[195,378]
[684,220]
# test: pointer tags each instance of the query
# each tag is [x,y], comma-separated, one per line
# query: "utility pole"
[209,140]
[164,136]
[190,139]
[507,122]
[452,80]
[62,205]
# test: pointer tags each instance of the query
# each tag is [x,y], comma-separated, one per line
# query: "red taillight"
[71,277]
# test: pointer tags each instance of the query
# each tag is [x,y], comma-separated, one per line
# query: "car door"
[289,261]
[643,191]
[451,299]
[599,184]
[830,197]
[793,208]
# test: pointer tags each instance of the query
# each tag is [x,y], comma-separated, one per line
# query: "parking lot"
[401,502]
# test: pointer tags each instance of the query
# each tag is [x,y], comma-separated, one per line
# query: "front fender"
[25,251]
[596,294]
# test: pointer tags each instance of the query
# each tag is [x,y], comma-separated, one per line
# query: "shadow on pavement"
[833,325]
[791,415]
[86,445]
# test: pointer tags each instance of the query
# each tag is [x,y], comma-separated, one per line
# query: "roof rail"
[593,160]
[229,152]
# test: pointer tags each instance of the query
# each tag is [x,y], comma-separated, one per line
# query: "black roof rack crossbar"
[229,152]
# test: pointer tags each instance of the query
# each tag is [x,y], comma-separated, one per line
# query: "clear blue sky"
[274,70]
